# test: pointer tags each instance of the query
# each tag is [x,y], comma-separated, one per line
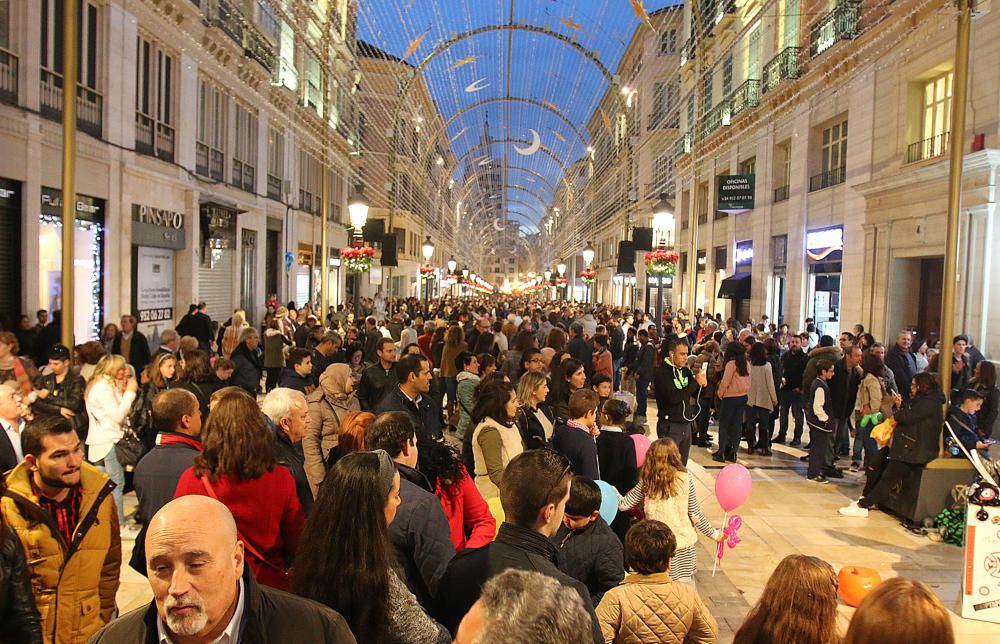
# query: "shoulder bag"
[129,449]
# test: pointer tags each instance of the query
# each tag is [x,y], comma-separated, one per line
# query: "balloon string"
[718,546]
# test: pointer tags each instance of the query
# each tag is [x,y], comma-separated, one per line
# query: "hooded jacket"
[328,406]
[833,354]
[918,429]
[249,369]
[466,395]
[74,584]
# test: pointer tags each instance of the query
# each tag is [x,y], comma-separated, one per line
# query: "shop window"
[275,162]
[213,121]
[154,99]
[245,150]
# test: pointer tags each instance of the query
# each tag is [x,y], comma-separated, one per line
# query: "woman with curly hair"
[461,501]
[799,604]
[237,467]
[346,560]
[666,493]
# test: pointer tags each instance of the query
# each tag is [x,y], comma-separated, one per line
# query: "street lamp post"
[428,250]
[465,276]
[663,224]
[561,269]
[357,210]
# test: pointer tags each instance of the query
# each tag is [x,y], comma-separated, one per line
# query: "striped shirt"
[66,513]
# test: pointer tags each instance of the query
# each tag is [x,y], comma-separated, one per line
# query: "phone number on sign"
[156,315]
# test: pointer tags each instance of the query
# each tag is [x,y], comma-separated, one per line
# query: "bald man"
[203,592]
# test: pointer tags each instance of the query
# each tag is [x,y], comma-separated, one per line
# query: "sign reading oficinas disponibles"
[735,193]
[157,227]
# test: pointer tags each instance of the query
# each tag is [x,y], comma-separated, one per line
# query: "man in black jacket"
[533,493]
[420,533]
[201,327]
[580,349]
[60,392]
[411,396]
[843,394]
[287,412]
[132,344]
[902,363]
[616,338]
[674,385]
[177,419]
[297,374]
[645,360]
[793,366]
[379,378]
[222,601]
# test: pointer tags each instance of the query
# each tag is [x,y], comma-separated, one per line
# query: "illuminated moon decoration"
[536,144]
[486,160]
[477,86]
[496,225]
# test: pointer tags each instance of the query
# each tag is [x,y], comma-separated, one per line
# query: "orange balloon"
[855,582]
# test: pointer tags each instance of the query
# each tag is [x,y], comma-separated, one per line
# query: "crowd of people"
[428,473]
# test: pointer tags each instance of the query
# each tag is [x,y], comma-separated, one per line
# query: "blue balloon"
[609,501]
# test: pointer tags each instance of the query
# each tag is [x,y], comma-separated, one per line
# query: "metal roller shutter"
[10,264]
[215,286]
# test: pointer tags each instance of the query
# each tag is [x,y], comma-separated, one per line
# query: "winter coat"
[376,382]
[138,352]
[466,396]
[19,620]
[616,458]
[421,536]
[289,455]
[68,394]
[448,355]
[793,366]
[533,433]
[249,369]
[918,429]
[74,584]
[269,615]
[592,555]
[425,414]
[274,349]
[833,354]
[494,445]
[327,411]
[654,608]
[674,389]
[986,419]
[579,447]
[466,511]
[107,409]
[762,393]
[292,380]
[903,365]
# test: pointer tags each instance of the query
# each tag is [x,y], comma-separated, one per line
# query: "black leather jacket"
[19,620]
[68,394]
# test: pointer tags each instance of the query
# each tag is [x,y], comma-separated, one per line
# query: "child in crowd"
[602,386]
[819,416]
[666,493]
[616,456]
[574,439]
[634,611]
[799,604]
[589,551]
[962,418]
[224,368]
[899,611]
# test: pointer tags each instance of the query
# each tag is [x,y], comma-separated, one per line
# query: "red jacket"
[424,342]
[267,514]
[465,508]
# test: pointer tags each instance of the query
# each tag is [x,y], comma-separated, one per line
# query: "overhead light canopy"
[428,249]
[357,207]
[588,254]
[452,265]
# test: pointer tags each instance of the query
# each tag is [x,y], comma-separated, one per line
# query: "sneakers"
[855,466]
[795,443]
[833,473]
[819,478]
[779,440]
[853,510]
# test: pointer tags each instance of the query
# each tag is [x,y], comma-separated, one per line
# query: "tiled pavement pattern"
[785,515]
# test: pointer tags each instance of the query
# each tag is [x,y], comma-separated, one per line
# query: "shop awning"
[735,287]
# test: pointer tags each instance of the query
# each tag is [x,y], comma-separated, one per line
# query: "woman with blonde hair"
[535,418]
[799,604]
[231,338]
[109,396]
[900,611]
[666,493]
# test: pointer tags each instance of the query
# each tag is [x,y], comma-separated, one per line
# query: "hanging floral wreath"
[588,276]
[427,272]
[661,262]
[357,259]
[561,281]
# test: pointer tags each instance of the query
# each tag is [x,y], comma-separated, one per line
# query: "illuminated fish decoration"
[415,43]
[458,134]
[558,136]
[568,22]
[551,104]
[465,61]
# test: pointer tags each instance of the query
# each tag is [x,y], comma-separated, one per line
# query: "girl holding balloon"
[666,493]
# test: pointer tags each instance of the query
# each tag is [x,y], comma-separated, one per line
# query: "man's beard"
[58,482]
[185,625]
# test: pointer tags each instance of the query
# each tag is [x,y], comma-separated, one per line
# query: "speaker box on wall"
[373,230]
[642,238]
[626,257]
[389,250]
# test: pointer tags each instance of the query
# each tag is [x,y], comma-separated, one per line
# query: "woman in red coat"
[472,525]
[237,467]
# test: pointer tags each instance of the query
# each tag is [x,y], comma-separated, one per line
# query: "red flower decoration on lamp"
[357,259]
[588,276]
[661,262]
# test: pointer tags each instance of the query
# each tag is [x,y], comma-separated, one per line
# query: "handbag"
[882,433]
[286,573]
[129,449]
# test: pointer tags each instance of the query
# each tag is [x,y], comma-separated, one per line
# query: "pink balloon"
[733,486]
[641,447]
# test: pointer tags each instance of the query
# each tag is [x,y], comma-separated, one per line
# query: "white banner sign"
[154,294]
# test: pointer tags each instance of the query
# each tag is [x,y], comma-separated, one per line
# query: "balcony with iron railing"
[226,17]
[746,96]
[8,77]
[208,161]
[723,10]
[720,116]
[784,66]
[683,145]
[154,138]
[780,194]
[839,24]
[257,47]
[89,103]
[243,176]
[827,179]
[929,148]
[687,51]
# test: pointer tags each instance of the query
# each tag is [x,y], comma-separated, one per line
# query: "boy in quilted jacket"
[648,606]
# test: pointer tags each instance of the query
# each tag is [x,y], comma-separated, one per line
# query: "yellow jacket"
[74,584]
[654,608]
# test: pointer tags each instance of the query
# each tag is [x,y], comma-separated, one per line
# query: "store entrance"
[929,304]
[824,293]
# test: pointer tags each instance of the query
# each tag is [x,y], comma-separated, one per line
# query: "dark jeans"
[641,393]
[273,374]
[790,400]
[819,441]
[839,441]
[731,425]
[894,473]
[679,432]
[759,421]
[701,422]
